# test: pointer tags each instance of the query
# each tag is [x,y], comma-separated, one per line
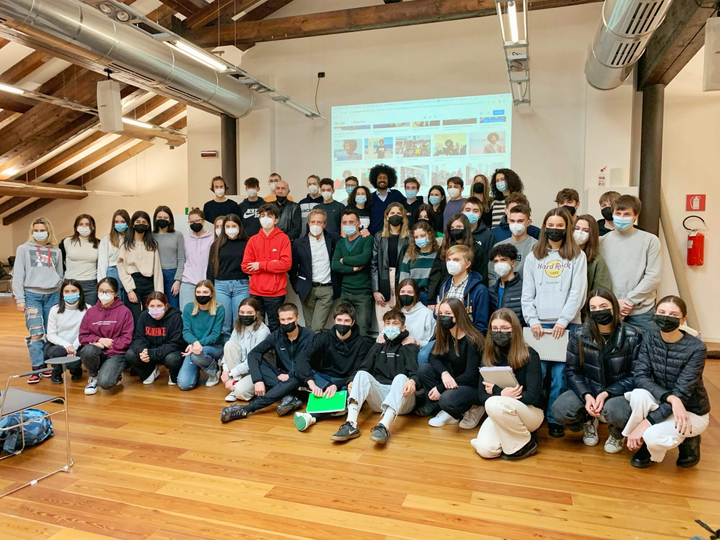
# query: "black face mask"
[607,213]
[406,300]
[446,321]
[162,223]
[204,299]
[570,209]
[395,220]
[281,199]
[479,187]
[289,327]
[196,227]
[342,329]
[457,234]
[666,323]
[602,316]
[501,339]
[246,320]
[555,234]
[140,228]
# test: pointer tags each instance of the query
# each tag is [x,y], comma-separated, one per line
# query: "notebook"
[337,403]
[501,376]
[547,347]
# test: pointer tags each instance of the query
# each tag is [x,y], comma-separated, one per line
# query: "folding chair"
[14,400]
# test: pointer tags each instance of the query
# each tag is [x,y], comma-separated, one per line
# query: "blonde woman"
[37,277]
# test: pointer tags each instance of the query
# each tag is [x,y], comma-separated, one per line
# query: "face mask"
[666,323]
[246,320]
[313,189]
[106,298]
[391,332]
[361,199]
[120,227]
[272,186]
[349,230]
[281,199]
[349,190]
[395,220]
[342,329]
[406,300]
[570,209]
[196,227]
[502,269]
[501,339]
[607,213]
[422,242]
[84,231]
[453,192]
[479,188]
[40,236]
[410,193]
[556,235]
[327,195]
[156,312]
[446,321]
[72,298]
[581,237]
[622,223]
[453,267]
[267,222]
[289,327]
[472,217]
[501,185]
[434,199]
[220,192]
[517,229]
[457,234]
[602,316]
[316,230]
[140,228]
[232,232]
[162,223]
[203,299]
[252,193]
[218,232]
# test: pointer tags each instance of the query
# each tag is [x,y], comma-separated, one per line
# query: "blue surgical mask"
[622,223]
[410,193]
[391,332]
[422,242]
[361,199]
[434,199]
[501,186]
[472,217]
[120,227]
[72,298]
[349,189]
[349,230]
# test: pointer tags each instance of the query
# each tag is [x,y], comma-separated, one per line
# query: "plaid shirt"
[457,291]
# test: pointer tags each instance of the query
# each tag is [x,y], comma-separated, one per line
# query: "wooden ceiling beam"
[24,67]
[218,10]
[26,192]
[264,10]
[184,7]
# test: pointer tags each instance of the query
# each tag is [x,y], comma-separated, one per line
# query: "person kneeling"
[335,355]
[387,379]
[281,382]
[514,413]
[158,340]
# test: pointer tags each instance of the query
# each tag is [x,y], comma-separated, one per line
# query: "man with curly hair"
[383,178]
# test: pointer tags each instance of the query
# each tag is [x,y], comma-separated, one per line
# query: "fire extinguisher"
[695,243]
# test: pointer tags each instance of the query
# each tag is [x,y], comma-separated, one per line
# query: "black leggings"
[56,351]
[172,361]
[455,402]
[143,287]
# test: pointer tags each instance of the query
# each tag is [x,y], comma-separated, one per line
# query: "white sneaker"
[613,445]
[590,434]
[170,382]
[442,419]
[230,398]
[472,417]
[91,387]
[303,420]
[213,379]
[153,376]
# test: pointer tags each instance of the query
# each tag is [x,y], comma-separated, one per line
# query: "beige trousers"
[244,388]
[507,428]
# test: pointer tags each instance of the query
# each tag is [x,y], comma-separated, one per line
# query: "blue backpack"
[37,428]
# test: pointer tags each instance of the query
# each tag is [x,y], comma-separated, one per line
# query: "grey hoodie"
[554,289]
[38,269]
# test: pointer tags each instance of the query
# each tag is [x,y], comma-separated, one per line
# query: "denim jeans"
[424,353]
[189,374]
[89,287]
[323,381]
[168,282]
[106,369]
[423,298]
[113,273]
[643,321]
[37,311]
[557,376]
[187,294]
[230,293]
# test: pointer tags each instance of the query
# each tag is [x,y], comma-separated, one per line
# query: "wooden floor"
[152,462]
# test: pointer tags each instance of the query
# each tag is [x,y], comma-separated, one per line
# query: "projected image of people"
[346,150]
[379,148]
[412,147]
[450,144]
[492,142]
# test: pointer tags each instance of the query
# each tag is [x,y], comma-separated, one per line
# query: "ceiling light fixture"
[516,48]
[198,55]
[138,123]
[11,89]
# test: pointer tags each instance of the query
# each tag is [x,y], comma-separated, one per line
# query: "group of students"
[451,283]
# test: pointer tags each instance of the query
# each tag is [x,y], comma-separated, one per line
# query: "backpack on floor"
[36,426]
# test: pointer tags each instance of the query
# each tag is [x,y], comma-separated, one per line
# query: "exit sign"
[695,203]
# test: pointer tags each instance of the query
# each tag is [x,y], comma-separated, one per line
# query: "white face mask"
[581,237]
[106,298]
[313,189]
[453,192]
[220,192]
[316,230]
[40,236]
[266,222]
[218,231]
[232,232]
[453,267]
[517,229]
[84,231]
[327,195]
[252,193]
[272,186]
[502,269]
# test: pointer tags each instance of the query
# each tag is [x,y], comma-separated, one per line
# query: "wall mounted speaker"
[109,106]
[711,70]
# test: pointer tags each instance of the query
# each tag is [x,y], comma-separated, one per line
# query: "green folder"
[337,403]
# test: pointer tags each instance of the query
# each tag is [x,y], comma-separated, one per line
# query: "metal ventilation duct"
[621,38]
[83,35]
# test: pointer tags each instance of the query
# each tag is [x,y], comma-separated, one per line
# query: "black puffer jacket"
[512,297]
[666,369]
[589,370]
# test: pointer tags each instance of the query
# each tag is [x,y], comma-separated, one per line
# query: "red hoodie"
[273,252]
[114,322]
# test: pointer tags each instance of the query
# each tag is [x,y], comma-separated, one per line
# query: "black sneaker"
[56,377]
[233,412]
[289,404]
[641,459]
[556,430]
[689,452]
[430,408]
[346,432]
[76,374]
[379,434]
[525,452]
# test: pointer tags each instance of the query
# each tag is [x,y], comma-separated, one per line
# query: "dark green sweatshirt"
[359,255]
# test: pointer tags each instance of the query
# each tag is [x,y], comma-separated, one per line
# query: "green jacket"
[598,274]
[360,255]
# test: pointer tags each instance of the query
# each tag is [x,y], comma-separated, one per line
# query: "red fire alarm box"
[695,203]
[209,153]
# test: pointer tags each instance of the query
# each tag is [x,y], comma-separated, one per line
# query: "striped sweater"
[419,270]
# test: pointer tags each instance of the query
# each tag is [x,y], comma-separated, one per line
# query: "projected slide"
[430,139]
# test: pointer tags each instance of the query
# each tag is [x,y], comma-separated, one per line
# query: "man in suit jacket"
[311,275]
